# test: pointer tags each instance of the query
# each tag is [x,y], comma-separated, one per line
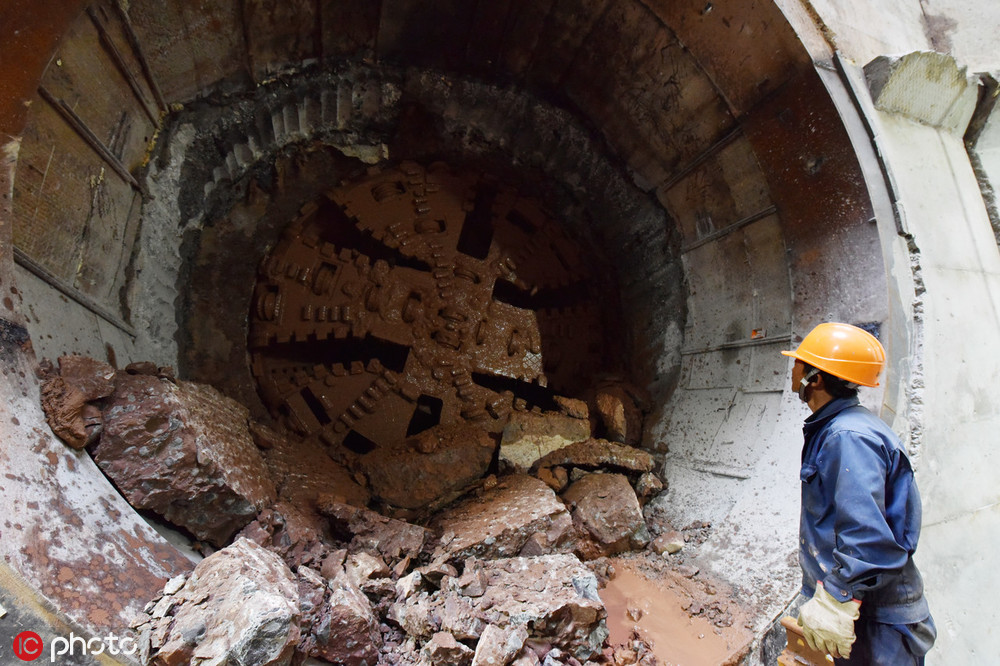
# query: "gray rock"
[239,606]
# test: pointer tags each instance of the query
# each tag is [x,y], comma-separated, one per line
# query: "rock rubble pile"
[453,546]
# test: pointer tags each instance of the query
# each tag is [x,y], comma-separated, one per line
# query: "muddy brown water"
[677,638]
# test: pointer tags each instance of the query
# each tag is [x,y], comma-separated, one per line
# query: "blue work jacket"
[860,514]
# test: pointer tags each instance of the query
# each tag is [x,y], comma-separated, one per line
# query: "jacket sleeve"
[855,465]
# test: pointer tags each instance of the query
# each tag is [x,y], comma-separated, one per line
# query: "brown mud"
[673,614]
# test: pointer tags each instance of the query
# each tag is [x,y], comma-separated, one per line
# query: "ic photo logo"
[28,646]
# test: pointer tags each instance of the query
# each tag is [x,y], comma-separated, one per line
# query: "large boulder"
[606,512]
[429,466]
[502,521]
[529,436]
[183,451]
[239,606]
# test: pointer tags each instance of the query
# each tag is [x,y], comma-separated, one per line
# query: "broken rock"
[619,414]
[529,436]
[66,398]
[429,466]
[599,454]
[185,452]
[498,647]
[366,530]
[607,514]
[239,606]
[443,650]
[501,520]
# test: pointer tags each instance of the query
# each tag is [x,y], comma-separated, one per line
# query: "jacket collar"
[821,417]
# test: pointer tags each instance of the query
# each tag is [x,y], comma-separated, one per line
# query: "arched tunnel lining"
[719,362]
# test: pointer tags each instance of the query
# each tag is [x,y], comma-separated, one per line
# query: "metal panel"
[349,26]
[190,46]
[646,92]
[738,287]
[279,33]
[726,187]
[726,39]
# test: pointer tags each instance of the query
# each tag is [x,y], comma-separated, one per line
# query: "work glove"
[828,624]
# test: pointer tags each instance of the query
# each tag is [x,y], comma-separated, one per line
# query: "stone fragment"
[350,633]
[555,478]
[599,454]
[668,542]
[361,567]
[498,647]
[529,436]
[526,658]
[500,521]
[302,471]
[473,580]
[572,407]
[648,485]
[606,510]
[66,396]
[372,532]
[443,650]
[553,597]
[619,413]
[185,452]
[239,606]
[429,466]
[298,537]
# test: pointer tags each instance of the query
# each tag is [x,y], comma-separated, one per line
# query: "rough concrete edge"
[989,102]
[857,83]
[883,72]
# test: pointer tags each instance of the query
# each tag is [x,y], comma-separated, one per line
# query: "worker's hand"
[828,624]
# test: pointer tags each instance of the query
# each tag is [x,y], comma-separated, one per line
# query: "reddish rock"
[607,514]
[338,622]
[553,597]
[649,485]
[302,471]
[66,398]
[619,414]
[498,647]
[443,650]
[599,454]
[499,522]
[239,606]
[395,540]
[300,538]
[429,466]
[529,436]
[184,452]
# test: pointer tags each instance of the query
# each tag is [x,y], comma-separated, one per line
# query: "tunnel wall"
[763,232]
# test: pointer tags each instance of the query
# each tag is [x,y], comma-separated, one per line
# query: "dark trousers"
[890,644]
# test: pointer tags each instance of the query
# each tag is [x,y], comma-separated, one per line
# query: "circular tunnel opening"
[656,180]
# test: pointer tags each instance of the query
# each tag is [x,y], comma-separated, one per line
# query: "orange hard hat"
[844,351]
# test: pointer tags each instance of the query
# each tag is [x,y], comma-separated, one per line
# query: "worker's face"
[798,372]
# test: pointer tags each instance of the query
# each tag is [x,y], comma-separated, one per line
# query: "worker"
[860,515]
